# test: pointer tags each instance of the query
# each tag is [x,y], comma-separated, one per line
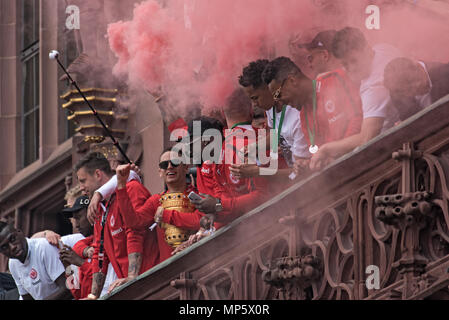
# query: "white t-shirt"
[291,131]
[375,97]
[71,239]
[41,268]
[111,276]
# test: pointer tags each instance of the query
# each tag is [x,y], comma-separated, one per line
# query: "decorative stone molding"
[294,275]
[402,210]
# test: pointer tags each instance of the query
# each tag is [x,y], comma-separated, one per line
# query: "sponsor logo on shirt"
[116,232]
[329,106]
[36,283]
[205,171]
[112,221]
[234,179]
[33,274]
[335,118]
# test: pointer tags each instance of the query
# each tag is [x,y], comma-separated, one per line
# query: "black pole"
[115,142]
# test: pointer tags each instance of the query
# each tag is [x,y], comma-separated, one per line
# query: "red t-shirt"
[120,240]
[205,178]
[339,109]
[85,271]
[237,196]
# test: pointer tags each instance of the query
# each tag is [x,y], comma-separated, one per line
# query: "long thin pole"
[54,56]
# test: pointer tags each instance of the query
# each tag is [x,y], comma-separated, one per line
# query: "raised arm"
[104,192]
[134,216]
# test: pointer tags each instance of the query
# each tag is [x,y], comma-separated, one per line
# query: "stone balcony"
[383,205]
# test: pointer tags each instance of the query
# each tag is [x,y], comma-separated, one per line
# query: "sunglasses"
[164,164]
[278,94]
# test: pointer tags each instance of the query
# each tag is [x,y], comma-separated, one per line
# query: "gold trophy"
[174,236]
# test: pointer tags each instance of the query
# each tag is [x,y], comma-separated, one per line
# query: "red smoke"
[194,50]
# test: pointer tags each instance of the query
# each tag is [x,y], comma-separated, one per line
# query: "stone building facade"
[44,128]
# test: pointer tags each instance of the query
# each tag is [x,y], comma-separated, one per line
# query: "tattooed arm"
[97,284]
[135,261]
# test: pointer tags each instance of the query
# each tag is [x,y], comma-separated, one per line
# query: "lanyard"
[281,121]
[312,134]
[240,124]
[103,223]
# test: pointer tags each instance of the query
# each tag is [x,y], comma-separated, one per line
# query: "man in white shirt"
[34,265]
[365,65]
[286,120]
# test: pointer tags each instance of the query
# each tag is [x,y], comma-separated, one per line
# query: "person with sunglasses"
[330,109]
[320,55]
[173,172]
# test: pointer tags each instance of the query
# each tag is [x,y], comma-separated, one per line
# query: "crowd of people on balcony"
[121,230]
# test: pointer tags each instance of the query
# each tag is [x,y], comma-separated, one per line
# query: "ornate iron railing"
[384,208]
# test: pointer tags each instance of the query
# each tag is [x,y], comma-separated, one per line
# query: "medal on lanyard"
[313,147]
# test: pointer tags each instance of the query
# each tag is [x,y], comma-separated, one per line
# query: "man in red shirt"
[205,180]
[326,65]
[234,196]
[330,107]
[115,242]
[321,58]
[78,255]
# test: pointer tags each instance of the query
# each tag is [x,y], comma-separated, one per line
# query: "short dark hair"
[252,74]
[168,149]
[206,124]
[94,161]
[279,69]
[238,103]
[346,40]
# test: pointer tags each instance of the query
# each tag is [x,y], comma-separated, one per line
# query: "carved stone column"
[184,285]
[293,276]
[409,212]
